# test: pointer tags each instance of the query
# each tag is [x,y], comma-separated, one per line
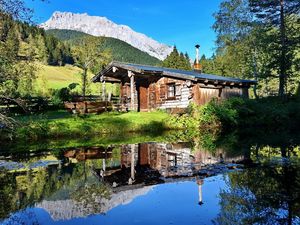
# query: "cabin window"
[178,90]
[171,90]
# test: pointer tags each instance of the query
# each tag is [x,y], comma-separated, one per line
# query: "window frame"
[171,88]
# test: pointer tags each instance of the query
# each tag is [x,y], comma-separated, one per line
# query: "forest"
[258,40]
[255,40]
[24,43]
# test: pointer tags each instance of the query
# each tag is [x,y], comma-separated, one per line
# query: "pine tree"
[58,55]
[172,60]
[9,55]
[182,61]
[185,64]
[188,60]
[51,45]
[12,43]
[31,51]
[42,53]
[187,57]
[274,13]
[177,60]
[6,24]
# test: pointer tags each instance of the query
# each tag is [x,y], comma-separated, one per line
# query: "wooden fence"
[77,104]
[23,106]
[93,104]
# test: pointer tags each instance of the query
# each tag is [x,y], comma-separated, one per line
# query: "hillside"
[121,51]
[57,77]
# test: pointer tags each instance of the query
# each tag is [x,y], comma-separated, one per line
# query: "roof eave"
[179,76]
[227,82]
[108,68]
[120,65]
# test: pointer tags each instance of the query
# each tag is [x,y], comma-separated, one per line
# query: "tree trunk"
[255,75]
[84,82]
[282,75]
[283,151]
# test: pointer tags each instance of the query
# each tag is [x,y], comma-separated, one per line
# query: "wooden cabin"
[144,88]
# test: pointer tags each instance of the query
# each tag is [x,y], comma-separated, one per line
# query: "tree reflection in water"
[82,181]
[268,194]
[88,177]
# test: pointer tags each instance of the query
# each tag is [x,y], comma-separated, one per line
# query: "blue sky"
[183,23]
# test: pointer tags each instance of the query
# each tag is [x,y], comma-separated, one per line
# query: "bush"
[272,112]
[59,96]
[216,114]
[222,114]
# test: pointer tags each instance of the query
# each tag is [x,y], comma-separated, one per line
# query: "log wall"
[185,92]
[182,98]
[204,93]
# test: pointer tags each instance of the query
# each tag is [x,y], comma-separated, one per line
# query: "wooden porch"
[134,88]
[95,104]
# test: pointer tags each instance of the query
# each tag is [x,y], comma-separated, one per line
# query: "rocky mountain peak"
[101,26]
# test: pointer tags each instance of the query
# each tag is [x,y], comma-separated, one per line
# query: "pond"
[152,182]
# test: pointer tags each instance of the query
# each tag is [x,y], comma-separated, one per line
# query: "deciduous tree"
[89,56]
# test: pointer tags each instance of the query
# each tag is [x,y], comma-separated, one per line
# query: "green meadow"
[57,77]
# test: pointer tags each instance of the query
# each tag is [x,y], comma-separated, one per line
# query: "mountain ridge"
[121,51]
[101,26]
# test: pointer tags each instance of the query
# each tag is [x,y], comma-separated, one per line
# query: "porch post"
[103,165]
[103,91]
[132,84]
[132,161]
[103,88]
[132,165]
[120,94]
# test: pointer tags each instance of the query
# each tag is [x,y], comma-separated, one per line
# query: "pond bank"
[214,118]
[61,125]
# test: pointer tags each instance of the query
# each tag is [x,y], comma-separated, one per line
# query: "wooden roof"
[146,70]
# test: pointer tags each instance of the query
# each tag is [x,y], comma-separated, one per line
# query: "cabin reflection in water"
[149,163]
[140,167]
[124,171]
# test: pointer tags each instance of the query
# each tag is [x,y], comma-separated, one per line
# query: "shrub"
[271,112]
[216,114]
[61,95]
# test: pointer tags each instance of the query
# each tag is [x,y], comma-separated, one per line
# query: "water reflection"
[268,194]
[100,183]
[96,179]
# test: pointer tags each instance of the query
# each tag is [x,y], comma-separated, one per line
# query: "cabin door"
[144,157]
[143,98]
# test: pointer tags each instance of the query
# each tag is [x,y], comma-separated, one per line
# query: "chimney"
[197,66]
[200,182]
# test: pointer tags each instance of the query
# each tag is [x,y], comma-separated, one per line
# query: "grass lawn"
[61,124]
